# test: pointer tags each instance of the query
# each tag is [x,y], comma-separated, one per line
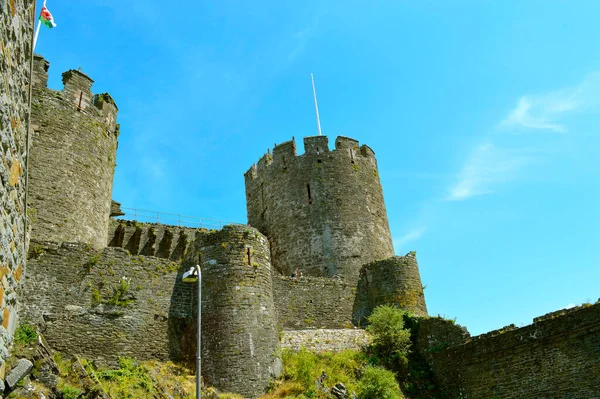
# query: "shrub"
[25,334]
[69,392]
[391,340]
[378,383]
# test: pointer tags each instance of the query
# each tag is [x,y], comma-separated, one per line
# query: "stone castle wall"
[73,151]
[16,37]
[393,281]
[323,211]
[325,340]
[556,356]
[67,293]
[313,302]
[70,291]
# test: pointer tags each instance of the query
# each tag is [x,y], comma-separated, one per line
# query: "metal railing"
[174,219]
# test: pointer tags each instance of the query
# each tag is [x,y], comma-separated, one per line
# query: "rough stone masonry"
[16,35]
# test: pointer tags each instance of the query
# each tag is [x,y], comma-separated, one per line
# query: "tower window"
[249,256]
[308,192]
[351,155]
[80,99]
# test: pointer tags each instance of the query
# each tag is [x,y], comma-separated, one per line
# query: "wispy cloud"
[412,235]
[485,167]
[490,164]
[545,111]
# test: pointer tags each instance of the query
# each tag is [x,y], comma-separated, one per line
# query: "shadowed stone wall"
[313,302]
[558,356]
[393,281]
[73,150]
[68,292]
[322,211]
[16,37]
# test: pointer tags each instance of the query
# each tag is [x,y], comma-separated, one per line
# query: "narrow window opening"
[318,150]
[80,100]
[249,257]
[308,192]
[262,196]
[283,161]
[351,155]
[319,161]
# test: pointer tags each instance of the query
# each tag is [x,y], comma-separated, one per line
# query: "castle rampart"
[73,151]
[556,356]
[16,33]
[322,211]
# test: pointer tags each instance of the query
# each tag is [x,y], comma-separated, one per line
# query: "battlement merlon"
[77,90]
[284,154]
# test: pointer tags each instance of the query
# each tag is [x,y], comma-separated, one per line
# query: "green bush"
[378,383]
[391,340]
[25,334]
[69,392]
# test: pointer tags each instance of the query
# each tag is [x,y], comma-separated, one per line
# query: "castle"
[106,288]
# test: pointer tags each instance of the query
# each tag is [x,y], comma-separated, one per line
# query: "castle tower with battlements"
[323,211]
[72,159]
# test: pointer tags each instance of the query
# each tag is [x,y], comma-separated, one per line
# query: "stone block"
[20,371]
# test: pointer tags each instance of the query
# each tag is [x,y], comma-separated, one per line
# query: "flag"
[46,18]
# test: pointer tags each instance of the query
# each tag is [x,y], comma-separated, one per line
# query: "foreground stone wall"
[323,211]
[73,151]
[558,356]
[16,36]
[313,302]
[325,340]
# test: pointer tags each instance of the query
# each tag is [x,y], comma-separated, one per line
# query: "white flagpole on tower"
[316,105]
[37,30]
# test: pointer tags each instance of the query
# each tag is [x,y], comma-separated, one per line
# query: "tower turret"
[72,159]
[323,211]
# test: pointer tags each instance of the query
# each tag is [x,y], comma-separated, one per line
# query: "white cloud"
[412,235]
[486,166]
[544,112]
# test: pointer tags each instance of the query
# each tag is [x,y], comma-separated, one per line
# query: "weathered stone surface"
[73,151]
[16,34]
[313,302]
[393,281]
[68,288]
[554,357]
[322,211]
[239,326]
[20,371]
[325,340]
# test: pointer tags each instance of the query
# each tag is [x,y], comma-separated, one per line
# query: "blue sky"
[484,116]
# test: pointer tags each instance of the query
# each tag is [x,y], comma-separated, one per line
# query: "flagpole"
[37,31]
[316,105]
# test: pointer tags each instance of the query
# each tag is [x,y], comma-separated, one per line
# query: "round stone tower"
[239,325]
[322,211]
[395,281]
[72,159]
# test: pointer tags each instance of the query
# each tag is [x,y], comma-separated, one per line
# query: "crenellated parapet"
[72,158]
[285,153]
[323,211]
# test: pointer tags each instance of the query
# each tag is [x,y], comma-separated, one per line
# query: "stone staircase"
[151,239]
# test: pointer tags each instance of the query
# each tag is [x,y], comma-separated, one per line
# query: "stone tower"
[239,324]
[73,150]
[322,211]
